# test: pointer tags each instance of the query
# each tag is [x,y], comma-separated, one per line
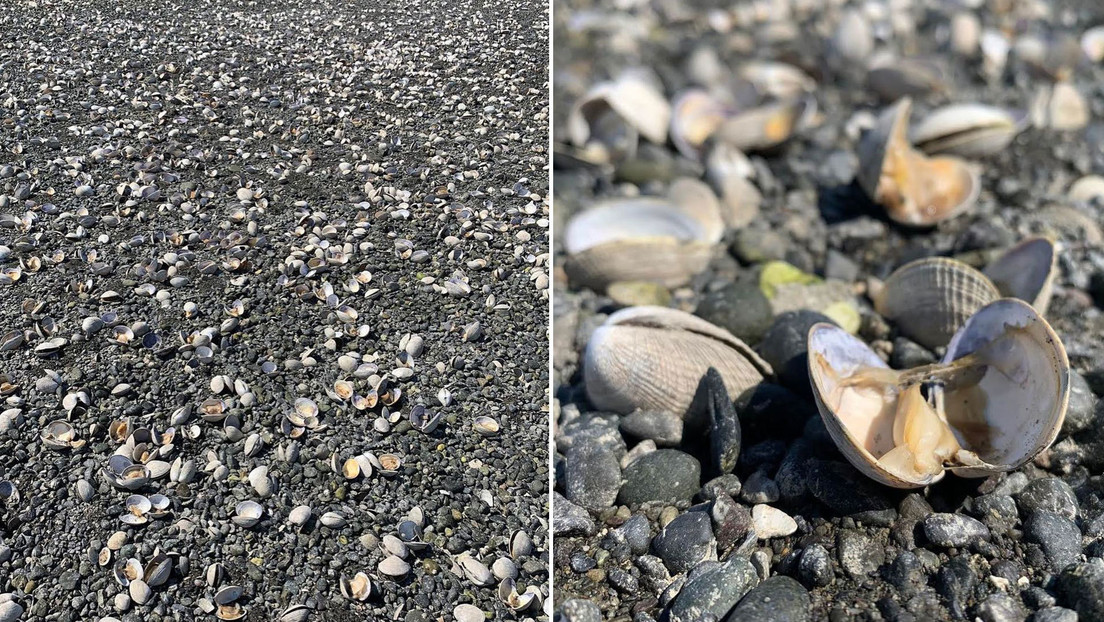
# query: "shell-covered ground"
[244,243]
[646,526]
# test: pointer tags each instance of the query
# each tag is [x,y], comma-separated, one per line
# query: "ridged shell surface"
[969,130]
[653,358]
[929,299]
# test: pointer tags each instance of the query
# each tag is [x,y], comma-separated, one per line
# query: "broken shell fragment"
[929,299]
[696,115]
[995,400]
[652,358]
[968,130]
[1060,107]
[915,190]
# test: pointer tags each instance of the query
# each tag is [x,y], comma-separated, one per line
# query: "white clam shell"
[970,130]
[633,98]
[653,358]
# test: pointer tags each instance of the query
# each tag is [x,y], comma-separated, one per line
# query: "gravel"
[221,209]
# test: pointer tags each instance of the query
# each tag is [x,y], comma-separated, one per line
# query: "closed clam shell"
[468,613]
[653,358]
[766,126]
[915,190]
[1026,271]
[1060,107]
[140,591]
[906,77]
[393,566]
[929,299]
[968,130]
[776,79]
[1009,408]
[632,98]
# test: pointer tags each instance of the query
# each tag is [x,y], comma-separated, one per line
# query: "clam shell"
[696,115]
[929,299]
[915,190]
[1060,107]
[665,241]
[968,130]
[653,358]
[1026,271]
[777,80]
[905,77]
[1026,406]
[1024,394]
[393,566]
[632,98]
[767,126]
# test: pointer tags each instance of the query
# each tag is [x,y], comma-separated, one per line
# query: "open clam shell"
[641,239]
[915,190]
[931,298]
[968,130]
[653,358]
[616,113]
[994,402]
[1027,271]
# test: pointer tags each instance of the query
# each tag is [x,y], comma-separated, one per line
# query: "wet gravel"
[655,520]
[370,181]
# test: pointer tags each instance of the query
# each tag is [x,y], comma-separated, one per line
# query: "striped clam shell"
[929,299]
[653,358]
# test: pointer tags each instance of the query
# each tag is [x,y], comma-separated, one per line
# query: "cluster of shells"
[998,395]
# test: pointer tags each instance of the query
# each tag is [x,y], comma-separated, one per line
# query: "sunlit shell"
[696,115]
[357,588]
[766,126]
[914,190]
[486,426]
[996,400]
[968,130]
[653,358]
[929,299]
[615,113]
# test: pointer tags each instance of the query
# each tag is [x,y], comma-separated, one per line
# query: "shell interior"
[630,219]
[1026,272]
[996,399]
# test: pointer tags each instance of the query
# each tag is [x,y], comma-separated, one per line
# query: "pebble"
[1056,535]
[663,428]
[725,436]
[1048,494]
[771,522]
[954,530]
[778,599]
[592,475]
[843,489]
[731,522]
[783,347]
[685,541]
[859,555]
[1080,587]
[569,519]
[667,475]
[759,488]
[579,610]
[815,566]
[714,592]
[740,308]
[1081,412]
